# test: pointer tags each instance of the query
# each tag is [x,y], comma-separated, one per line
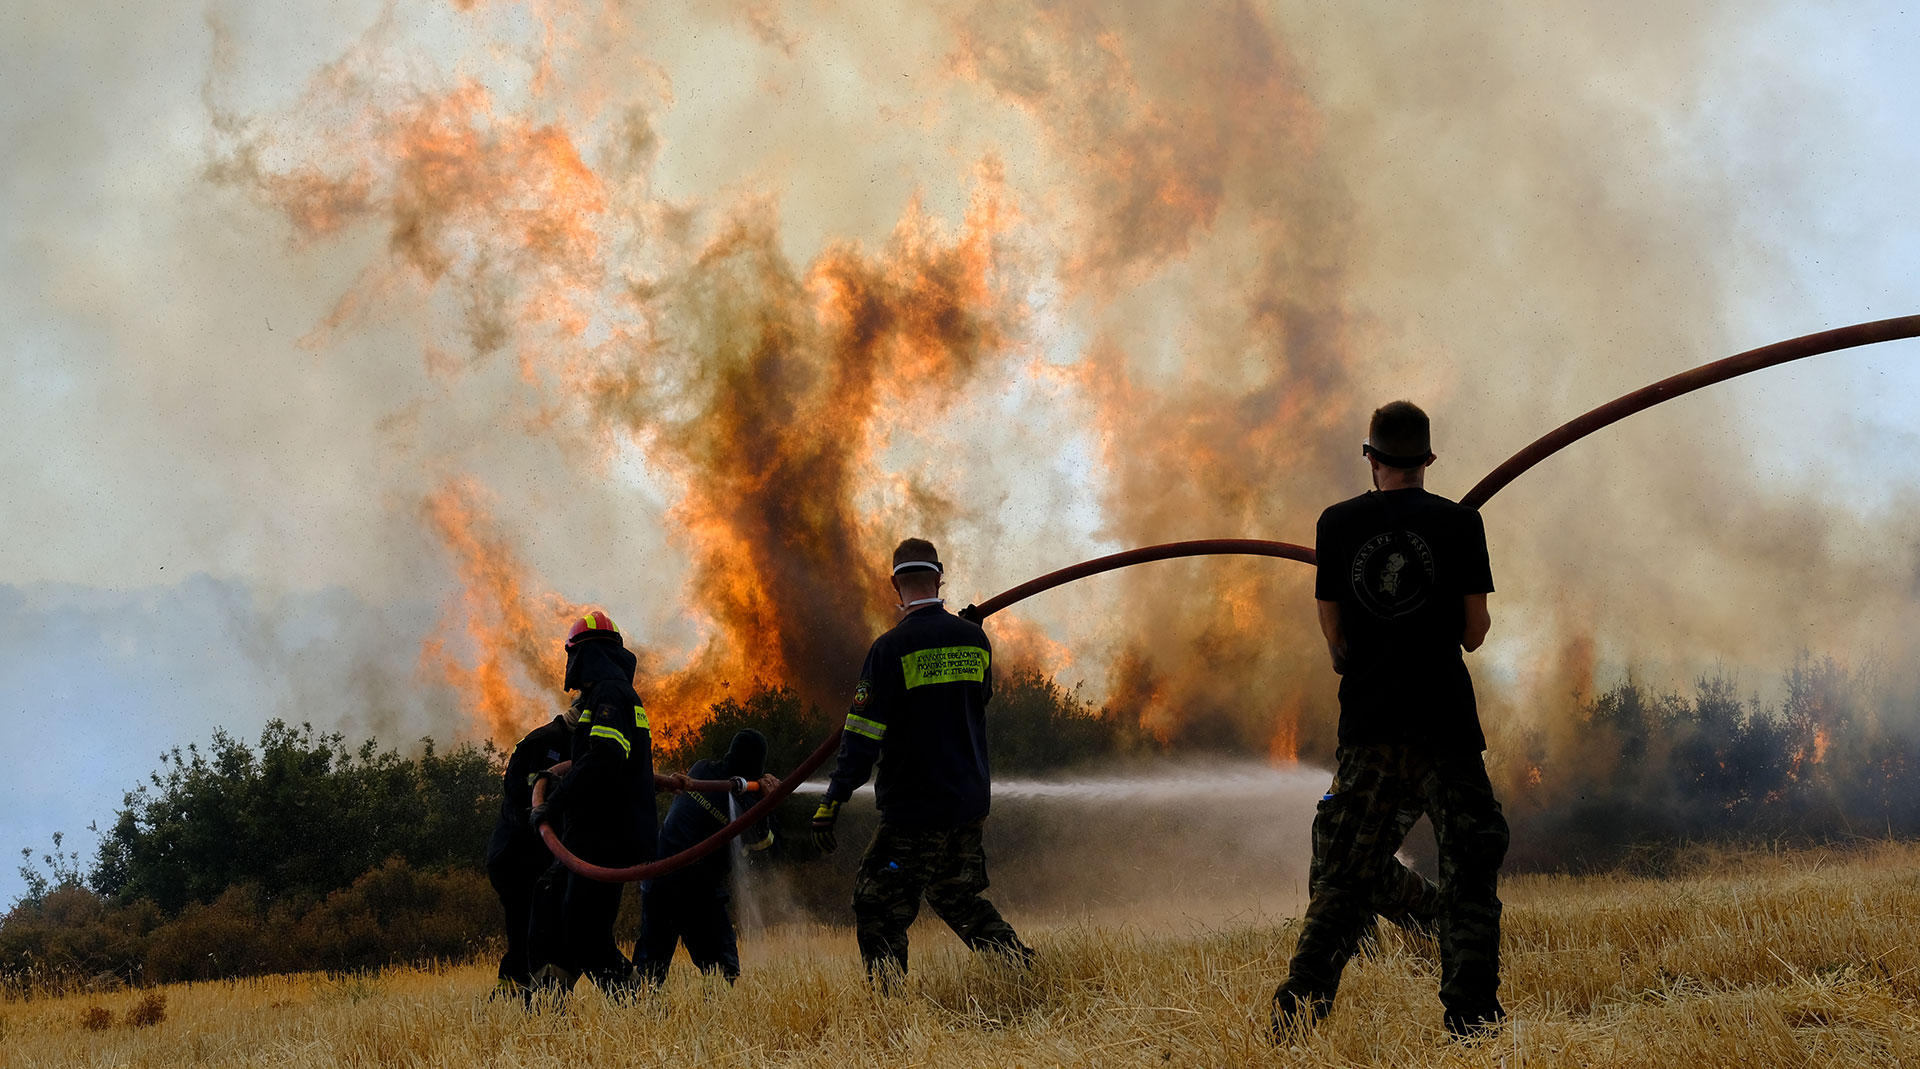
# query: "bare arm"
[1478,621]
[1336,636]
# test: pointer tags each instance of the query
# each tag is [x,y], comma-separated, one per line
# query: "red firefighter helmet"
[594,625]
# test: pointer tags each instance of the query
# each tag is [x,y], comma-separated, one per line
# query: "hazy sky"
[222,421]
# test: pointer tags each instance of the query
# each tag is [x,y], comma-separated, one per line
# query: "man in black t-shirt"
[919,711]
[1402,589]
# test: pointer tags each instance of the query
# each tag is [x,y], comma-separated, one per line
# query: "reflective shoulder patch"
[947,664]
[602,731]
[872,729]
[640,718]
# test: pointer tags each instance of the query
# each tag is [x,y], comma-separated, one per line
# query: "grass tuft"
[149,1011]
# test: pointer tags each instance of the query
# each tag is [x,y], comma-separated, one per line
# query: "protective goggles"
[1393,460]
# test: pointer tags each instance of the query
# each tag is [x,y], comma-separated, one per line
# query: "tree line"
[1837,755]
[298,853]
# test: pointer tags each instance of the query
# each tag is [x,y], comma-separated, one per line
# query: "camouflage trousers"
[948,867]
[1411,901]
[1360,824]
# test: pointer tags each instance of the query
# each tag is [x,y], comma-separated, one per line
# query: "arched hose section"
[1566,434]
[1827,341]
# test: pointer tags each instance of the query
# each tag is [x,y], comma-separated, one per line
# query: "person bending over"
[690,905]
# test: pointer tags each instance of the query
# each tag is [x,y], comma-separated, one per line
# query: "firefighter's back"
[933,770]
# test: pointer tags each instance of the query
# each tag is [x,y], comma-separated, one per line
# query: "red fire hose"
[1252,547]
[1827,341]
[1551,443]
[754,814]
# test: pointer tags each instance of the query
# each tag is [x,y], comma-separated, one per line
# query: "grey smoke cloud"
[1227,235]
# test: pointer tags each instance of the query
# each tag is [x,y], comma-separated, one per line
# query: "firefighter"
[690,905]
[1402,589]
[606,808]
[919,710]
[515,855]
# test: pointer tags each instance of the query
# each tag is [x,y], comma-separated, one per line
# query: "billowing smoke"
[692,315]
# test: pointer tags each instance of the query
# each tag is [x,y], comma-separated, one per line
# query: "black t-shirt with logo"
[1400,563]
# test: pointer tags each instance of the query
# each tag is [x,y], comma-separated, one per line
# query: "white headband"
[905,564]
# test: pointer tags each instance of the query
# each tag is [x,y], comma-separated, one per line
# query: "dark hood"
[597,661]
[747,755]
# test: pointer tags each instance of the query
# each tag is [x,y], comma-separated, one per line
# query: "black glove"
[823,819]
[971,614]
[538,815]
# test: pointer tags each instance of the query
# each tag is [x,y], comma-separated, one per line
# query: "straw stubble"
[1745,958]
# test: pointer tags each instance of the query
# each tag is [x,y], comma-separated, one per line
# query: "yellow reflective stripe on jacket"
[872,729]
[586,717]
[640,718]
[602,731]
[763,843]
[947,664]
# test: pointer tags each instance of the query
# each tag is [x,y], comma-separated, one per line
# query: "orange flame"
[517,636]
[1284,747]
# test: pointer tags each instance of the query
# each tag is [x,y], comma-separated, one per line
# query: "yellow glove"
[823,819]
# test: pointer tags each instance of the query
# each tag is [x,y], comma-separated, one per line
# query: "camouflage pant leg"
[1473,838]
[954,889]
[1355,834]
[1411,901]
[1403,896]
[886,893]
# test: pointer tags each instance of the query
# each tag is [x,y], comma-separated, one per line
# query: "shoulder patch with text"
[947,664]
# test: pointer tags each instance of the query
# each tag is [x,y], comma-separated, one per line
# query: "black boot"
[1297,1011]
[1476,1027]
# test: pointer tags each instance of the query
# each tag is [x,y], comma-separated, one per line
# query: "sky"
[274,345]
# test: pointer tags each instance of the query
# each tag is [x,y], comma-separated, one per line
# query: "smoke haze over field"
[413,328]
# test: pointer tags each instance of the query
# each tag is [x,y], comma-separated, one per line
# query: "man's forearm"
[1479,622]
[1335,634]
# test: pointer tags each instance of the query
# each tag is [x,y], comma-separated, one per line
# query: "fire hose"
[1566,434]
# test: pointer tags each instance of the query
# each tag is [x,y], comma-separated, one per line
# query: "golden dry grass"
[1752,959]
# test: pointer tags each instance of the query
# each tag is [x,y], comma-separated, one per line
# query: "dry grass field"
[1739,959]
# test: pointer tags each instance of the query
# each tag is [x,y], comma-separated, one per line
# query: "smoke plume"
[691,316]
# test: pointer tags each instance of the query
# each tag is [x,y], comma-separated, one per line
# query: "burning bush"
[1834,757]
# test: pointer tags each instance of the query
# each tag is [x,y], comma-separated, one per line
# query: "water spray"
[1566,434]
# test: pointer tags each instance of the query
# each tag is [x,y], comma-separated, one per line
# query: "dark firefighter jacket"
[607,796]
[920,711]
[696,815]
[514,842]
